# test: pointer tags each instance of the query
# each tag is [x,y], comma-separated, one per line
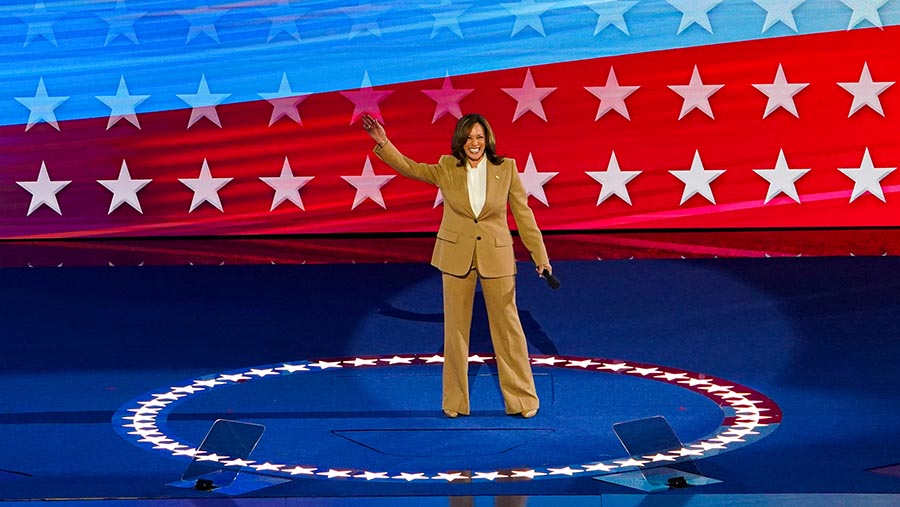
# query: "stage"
[777,373]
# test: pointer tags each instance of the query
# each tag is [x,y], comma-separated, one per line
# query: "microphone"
[552,281]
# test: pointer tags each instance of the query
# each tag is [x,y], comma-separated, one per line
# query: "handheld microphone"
[552,281]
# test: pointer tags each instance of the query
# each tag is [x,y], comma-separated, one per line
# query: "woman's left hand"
[542,267]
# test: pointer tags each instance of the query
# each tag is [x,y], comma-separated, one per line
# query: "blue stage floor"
[780,372]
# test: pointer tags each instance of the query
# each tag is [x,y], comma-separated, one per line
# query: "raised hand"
[374,129]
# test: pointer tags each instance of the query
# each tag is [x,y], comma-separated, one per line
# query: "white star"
[284,19]
[612,96]
[366,99]
[202,20]
[205,187]
[298,470]
[451,477]
[368,185]
[581,364]
[671,377]
[564,471]
[534,181]
[186,389]
[781,93]
[708,446]
[410,477]
[694,11]
[526,474]
[208,383]
[324,365]
[866,92]
[661,457]
[365,18]
[234,378]
[644,371]
[478,359]
[697,180]
[447,99]
[332,473]
[529,97]
[40,23]
[696,94]
[291,368]
[694,382]
[433,359]
[122,105]
[610,13]
[362,362]
[399,360]
[203,103]
[491,476]
[287,186]
[599,467]
[284,102]
[372,475]
[528,13]
[268,466]
[781,179]
[631,462]
[867,178]
[549,361]
[614,366]
[42,106]
[237,463]
[779,10]
[210,457]
[864,10]
[261,373]
[43,191]
[121,22]
[446,16]
[613,180]
[124,190]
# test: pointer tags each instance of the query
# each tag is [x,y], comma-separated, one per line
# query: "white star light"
[694,11]
[548,361]
[697,180]
[864,10]
[366,100]
[613,181]
[43,191]
[291,368]
[781,93]
[564,471]
[287,186]
[41,107]
[865,92]
[238,462]
[122,105]
[534,181]
[781,179]
[528,13]
[284,102]
[526,474]
[696,94]
[368,185]
[357,362]
[205,187]
[365,18]
[410,477]
[124,190]
[779,10]
[529,97]
[491,476]
[372,475]
[203,103]
[631,462]
[202,20]
[283,19]
[268,466]
[455,476]
[332,473]
[40,23]
[612,96]
[446,16]
[121,22]
[867,178]
[399,360]
[298,470]
[610,13]
[324,365]
[447,99]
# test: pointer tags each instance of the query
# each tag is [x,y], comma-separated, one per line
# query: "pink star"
[366,100]
[529,97]
[368,185]
[447,99]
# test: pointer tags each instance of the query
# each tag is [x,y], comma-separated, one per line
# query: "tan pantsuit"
[472,249]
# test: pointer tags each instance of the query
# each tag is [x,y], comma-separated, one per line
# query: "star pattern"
[123,105]
[284,102]
[613,181]
[864,10]
[368,185]
[43,191]
[283,19]
[610,13]
[612,96]
[121,23]
[867,178]
[446,16]
[205,187]
[447,99]
[866,92]
[781,179]
[365,18]
[203,103]
[695,94]
[697,180]
[529,97]
[41,107]
[694,11]
[40,23]
[528,14]
[781,93]
[534,181]
[124,190]
[366,100]
[287,186]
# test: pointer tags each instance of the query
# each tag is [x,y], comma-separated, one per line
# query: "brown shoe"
[528,414]
[451,413]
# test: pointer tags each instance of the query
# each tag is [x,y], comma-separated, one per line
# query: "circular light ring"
[748,416]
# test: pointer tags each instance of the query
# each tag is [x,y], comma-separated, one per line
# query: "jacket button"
[478,238]
[476,220]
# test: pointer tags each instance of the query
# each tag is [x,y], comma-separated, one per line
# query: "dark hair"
[461,135]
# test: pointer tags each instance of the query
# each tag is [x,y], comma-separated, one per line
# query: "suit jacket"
[461,233]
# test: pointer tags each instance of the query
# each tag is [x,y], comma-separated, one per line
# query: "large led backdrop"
[173,118]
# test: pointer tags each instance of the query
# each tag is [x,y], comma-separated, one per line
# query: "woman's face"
[475,144]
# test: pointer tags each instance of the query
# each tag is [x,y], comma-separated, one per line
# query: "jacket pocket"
[447,235]
[503,241]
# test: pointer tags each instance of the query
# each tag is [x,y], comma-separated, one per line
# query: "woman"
[474,244]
